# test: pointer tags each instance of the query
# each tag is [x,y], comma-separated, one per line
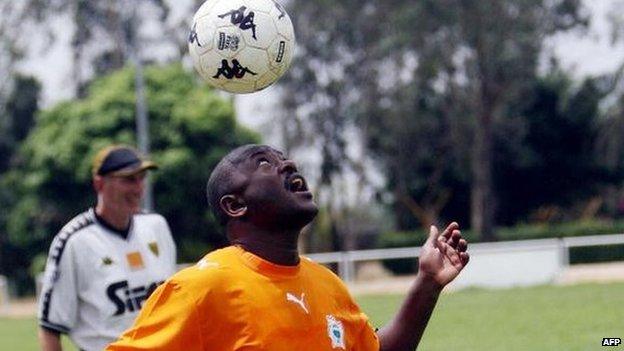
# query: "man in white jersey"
[106,261]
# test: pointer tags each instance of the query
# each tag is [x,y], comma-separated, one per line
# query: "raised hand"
[444,254]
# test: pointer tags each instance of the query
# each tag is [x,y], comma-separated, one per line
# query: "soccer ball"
[241,46]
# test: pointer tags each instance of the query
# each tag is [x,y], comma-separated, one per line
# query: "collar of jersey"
[265,267]
[122,233]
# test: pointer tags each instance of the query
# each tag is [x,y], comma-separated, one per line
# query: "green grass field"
[540,318]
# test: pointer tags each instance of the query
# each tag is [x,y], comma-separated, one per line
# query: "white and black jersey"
[96,278]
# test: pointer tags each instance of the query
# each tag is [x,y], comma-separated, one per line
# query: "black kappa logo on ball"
[280,9]
[235,71]
[193,35]
[238,18]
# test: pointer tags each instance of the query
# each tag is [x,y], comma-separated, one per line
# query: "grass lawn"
[538,318]
[529,319]
[20,334]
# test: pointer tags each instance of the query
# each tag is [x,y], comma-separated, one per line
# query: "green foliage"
[561,230]
[555,158]
[191,129]
[16,120]
[18,116]
[517,232]
[596,254]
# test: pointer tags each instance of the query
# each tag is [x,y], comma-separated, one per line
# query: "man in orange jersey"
[259,294]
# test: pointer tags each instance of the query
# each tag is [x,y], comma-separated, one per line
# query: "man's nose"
[288,166]
[138,182]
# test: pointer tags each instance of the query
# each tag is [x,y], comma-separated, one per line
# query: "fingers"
[464,257]
[451,232]
[450,241]
[455,240]
[452,244]
[462,245]
[450,229]
[455,250]
[434,234]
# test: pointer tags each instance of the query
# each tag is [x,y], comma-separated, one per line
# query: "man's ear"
[233,206]
[98,183]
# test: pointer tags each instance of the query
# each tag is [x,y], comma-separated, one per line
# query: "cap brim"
[129,171]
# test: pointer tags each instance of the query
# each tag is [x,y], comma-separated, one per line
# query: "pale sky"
[592,53]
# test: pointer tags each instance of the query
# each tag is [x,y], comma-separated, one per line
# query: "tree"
[610,144]
[12,45]
[505,39]
[319,99]
[555,157]
[15,124]
[192,128]
[102,32]
[18,117]
[431,80]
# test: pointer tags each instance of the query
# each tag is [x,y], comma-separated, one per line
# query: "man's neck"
[279,247]
[116,219]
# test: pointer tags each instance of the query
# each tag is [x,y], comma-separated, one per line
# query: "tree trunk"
[487,101]
[482,206]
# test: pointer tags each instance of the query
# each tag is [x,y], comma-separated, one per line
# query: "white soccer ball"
[241,46]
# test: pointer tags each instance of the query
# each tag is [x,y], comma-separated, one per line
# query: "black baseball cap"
[120,160]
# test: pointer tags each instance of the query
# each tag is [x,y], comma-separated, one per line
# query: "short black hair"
[221,181]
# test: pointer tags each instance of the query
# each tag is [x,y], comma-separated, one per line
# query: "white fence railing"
[554,254]
[496,264]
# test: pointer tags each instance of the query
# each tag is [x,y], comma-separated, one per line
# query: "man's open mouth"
[295,183]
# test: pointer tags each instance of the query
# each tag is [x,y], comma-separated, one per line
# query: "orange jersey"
[234,300]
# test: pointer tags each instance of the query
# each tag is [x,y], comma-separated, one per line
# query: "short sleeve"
[168,321]
[368,339]
[57,310]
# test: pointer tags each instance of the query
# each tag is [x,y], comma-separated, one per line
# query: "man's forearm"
[49,341]
[405,330]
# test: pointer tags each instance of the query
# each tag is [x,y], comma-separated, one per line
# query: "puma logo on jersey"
[299,301]
[204,263]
